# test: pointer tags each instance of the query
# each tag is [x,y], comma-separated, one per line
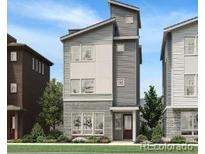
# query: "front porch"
[125,123]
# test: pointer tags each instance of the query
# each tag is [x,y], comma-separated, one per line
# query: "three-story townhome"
[101,76]
[179,57]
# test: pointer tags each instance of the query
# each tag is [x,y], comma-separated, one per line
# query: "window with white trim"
[33,63]
[13,122]
[118,121]
[75,53]
[190,84]
[42,70]
[13,88]
[120,82]
[129,19]
[39,65]
[88,53]
[88,123]
[190,45]
[189,123]
[87,86]
[75,86]
[13,56]
[36,65]
[120,47]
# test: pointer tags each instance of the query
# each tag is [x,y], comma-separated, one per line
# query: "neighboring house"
[27,75]
[102,76]
[179,57]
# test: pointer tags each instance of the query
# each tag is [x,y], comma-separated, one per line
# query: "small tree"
[152,110]
[51,104]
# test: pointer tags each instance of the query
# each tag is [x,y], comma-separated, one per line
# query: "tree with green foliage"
[153,108]
[51,104]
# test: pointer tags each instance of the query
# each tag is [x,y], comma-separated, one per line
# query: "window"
[39,65]
[120,47]
[36,65]
[13,122]
[190,84]
[75,86]
[87,53]
[42,71]
[190,45]
[98,123]
[87,86]
[75,52]
[189,123]
[118,121]
[129,20]
[13,55]
[33,64]
[88,123]
[76,123]
[120,82]
[13,88]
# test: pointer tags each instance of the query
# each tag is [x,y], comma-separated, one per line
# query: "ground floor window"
[88,123]
[189,123]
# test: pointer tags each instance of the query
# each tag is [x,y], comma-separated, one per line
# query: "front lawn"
[89,148]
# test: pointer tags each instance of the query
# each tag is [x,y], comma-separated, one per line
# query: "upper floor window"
[75,86]
[36,65]
[82,53]
[75,52]
[87,53]
[87,86]
[33,64]
[13,56]
[190,45]
[39,65]
[129,19]
[120,47]
[42,70]
[120,82]
[13,88]
[190,84]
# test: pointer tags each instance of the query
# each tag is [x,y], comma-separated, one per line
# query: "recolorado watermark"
[167,147]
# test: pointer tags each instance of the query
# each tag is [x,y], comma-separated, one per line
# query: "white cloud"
[48,10]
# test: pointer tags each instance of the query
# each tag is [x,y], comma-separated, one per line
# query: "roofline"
[124,5]
[88,28]
[12,37]
[173,27]
[30,50]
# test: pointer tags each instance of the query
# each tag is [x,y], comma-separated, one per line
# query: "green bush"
[144,130]
[141,138]
[103,139]
[92,139]
[157,139]
[40,139]
[178,139]
[49,141]
[15,141]
[28,139]
[63,139]
[37,131]
[54,134]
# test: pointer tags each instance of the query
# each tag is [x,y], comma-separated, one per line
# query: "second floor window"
[75,52]
[87,53]
[33,64]
[83,86]
[190,84]
[75,86]
[13,88]
[13,56]
[87,86]
[120,47]
[190,45]
[120,82]
[129,19]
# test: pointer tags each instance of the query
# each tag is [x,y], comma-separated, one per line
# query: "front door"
[11,126]
[127,126]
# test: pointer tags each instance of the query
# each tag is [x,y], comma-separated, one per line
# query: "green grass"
[86,148]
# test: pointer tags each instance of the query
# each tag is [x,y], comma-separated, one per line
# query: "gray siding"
[124,29]
[70,107]
[126,66]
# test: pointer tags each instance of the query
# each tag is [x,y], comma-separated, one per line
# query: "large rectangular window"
[87,53]
[190,45]
[189,123]
[87,86]
[33,63]
[75,86]
[88,123]
[75,52]
[13,56]
[13,88]
[190,84]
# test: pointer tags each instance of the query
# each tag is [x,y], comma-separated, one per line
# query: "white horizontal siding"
[178,66]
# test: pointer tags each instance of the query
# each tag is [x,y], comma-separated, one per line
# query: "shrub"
[14,141]
[178,139]
[103,139]
[92,139]
[40,139]
[157,139]
[50,141]
[79,140]
[54,134]
[144,130]
[28,139]
[141,138]
[63,139]
[37,131]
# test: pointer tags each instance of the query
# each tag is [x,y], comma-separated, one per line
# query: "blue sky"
[40,23]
